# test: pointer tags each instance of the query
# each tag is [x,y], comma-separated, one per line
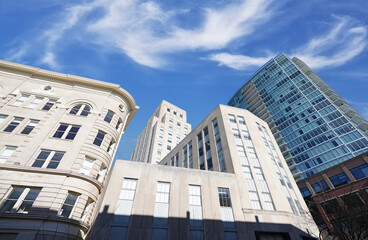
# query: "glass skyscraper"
[314,126]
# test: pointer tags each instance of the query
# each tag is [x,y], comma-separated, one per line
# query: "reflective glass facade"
[314,127]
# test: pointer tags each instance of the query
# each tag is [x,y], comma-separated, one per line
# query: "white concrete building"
[226,180]
[58,137]
[164,130]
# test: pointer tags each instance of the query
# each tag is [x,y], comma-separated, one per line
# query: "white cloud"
[51,36]
[342,43]
[239,62]
[147,33]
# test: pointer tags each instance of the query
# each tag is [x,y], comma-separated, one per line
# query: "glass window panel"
[339,179]
[29,200]
[6,153]
[30,126]
[13,124]
[49,105]
[109,116]
[75,109]
[360,172]
[11,199]
[99,138]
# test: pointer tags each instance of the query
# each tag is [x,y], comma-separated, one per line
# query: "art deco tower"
[164,130]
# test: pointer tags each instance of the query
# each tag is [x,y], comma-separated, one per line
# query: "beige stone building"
[58,137]
[226,179]
[164,130]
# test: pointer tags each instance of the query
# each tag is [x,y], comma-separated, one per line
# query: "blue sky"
[194,54]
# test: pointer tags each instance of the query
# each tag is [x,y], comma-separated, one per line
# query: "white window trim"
[33,101]
[19,201]
[5,157]
[74,206]
[48,159]
[83,166]
[66,132]
[31,123]
[21,103]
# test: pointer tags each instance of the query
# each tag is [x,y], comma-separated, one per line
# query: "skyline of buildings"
[315,127]
[67,128]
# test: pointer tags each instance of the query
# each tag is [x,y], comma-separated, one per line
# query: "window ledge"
[4,166]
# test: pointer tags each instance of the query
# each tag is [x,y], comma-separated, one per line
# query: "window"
[185,156]
[66,131]
[339,179]
[49,104]
[111,147]
[99,138]
[121,108]
[177,160]
[195,212]
[161,212]
[13,124]
[87,210]
[22,99]
[35,102]
[29,127]
[360,172]
[224,197]
[20,200]
[109,116]
[124,207]
[6,153]
[118,124]
[227,215]
[320,186]
[331,206]
[195,206]
[353,200]
[68,205]
[49,158]
[86,166]
[2,118]
[305,192]
[101,173]
[80,109]
[172,161]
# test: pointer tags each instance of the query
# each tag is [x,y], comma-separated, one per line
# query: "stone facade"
[58,138]
[241,190]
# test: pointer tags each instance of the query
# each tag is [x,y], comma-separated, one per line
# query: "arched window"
[80,109]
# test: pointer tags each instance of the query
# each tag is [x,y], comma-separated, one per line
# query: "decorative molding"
[51,171]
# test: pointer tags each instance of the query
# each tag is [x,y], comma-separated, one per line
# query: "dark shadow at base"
[139,227]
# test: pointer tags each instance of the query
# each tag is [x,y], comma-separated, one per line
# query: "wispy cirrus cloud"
[146,32]
[238,62]
[344,41]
